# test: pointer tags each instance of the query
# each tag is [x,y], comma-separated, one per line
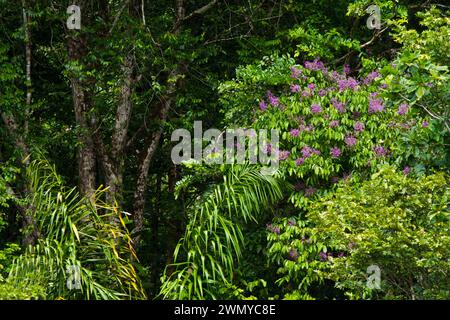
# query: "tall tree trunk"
[19,134]
[77,48]
[119,138]
[153,141]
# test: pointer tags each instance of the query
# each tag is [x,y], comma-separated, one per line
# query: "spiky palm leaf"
[76,233]
[204,258]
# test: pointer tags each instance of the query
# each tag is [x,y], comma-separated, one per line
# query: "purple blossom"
[299,186]
[371,77]
[406,170]
[425,124]
[268,148]
[350,141]
[262,105]
[299,161]
[336,76]
[296,73]
[295,88]
[322,92]
[273,100]
[294,132]
[334,123]
[339,106]
[383,86]
[335,179]
[356,114]
[306,93]
[380,151]
[347,69]
[403,109]
[291,222]
[293,254]
[314,65]
[429,84]
[317,152]
[310,191]
[283,155]
[311,87]
[375,105]
[323,256]
[347,176]
[335,152]
[359,126]
[352,83]
[341,255]
[342,85]
[273,229]
[315,108]
[307,151]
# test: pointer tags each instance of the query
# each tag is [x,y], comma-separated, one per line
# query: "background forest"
[92,206]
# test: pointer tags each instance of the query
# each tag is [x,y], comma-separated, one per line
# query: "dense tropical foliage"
[93,207]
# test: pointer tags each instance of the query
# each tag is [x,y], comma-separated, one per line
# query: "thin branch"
[118,15]
[202,10]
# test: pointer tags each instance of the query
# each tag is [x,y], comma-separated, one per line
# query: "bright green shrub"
[397,222]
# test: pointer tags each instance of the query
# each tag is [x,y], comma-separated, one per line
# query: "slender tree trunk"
[153,142]
[26,22]
[119,138]
[77,48]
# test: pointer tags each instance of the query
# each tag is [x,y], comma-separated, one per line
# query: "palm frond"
[76,233]
[205,257]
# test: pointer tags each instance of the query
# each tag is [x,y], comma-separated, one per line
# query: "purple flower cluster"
[314,65]
[295,88]
[380,151]
[294,132]
[268,149]
[299,161]
[356,115]
[358,127]
[308,128]
[375,105]
[315,108]
[335,179]
[335,152]
[323,256]
[371,77]
[293,254]
[283,155]
[310,191]
[334,123]
[306,93]
[406,170]
[273,100]
[299,186]
[347,69]
[308,151]
[339,106]
[322,92]
[349,83]
[262,105]
[296,73]
[403,109]
[350,141]
[425,124]
[273,229]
